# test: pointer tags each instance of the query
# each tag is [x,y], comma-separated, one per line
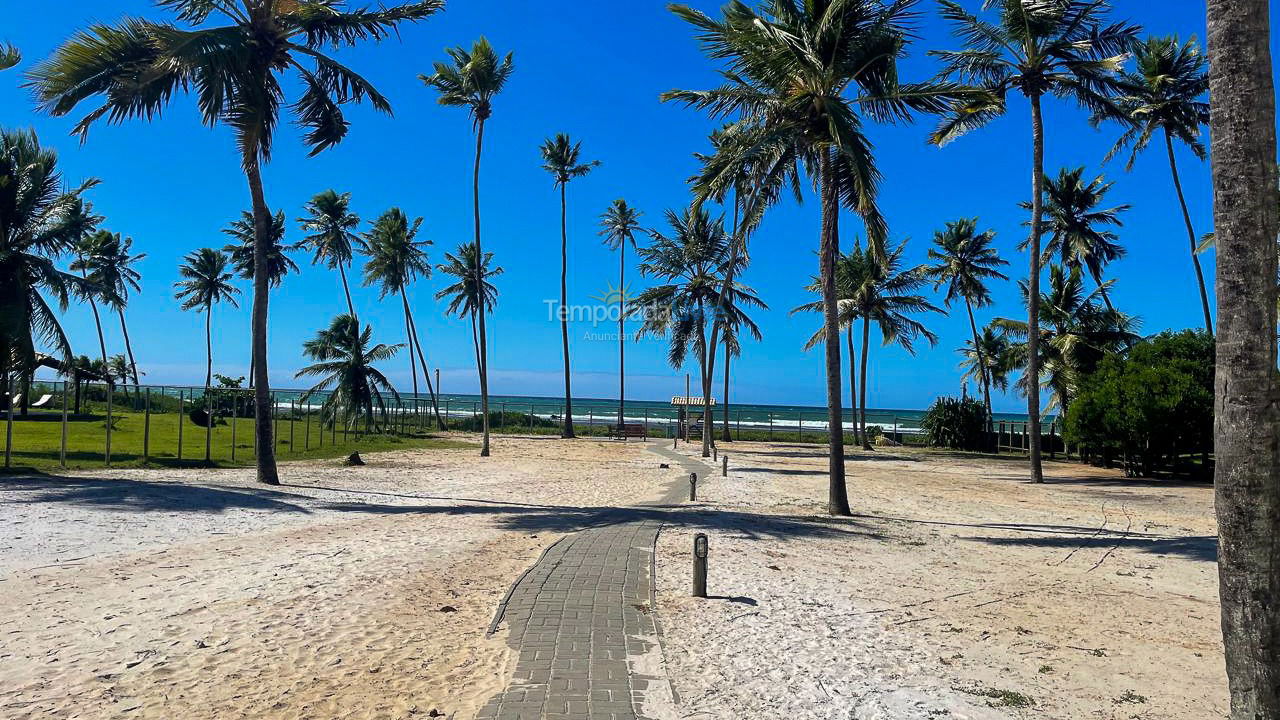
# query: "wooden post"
[180,408]
[208,429]
[693,487]
[8,428]
[306,437]
[770,426]
[235,401]
[800,425]
[1053,449]
[110,398]
[293,415]
[724,472]
[62,452]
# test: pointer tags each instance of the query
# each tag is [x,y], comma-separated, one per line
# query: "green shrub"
[1149,406]
[959,424]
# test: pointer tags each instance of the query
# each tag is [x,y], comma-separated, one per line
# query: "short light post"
[700,551]
[693,487]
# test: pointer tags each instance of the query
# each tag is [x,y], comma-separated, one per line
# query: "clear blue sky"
[594,70]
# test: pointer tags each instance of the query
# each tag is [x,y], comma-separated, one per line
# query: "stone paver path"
[581,620]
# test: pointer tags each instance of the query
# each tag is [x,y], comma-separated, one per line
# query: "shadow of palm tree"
[1203,548]
[144,496]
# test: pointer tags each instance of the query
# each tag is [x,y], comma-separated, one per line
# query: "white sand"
[348,592]
[957,585]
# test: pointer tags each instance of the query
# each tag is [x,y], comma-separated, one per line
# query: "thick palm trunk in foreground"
[1033,286]
[837,493]
[1247,417]
[1191,234]
[261,388]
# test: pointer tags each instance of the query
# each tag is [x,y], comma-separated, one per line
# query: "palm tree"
[243,256]
[990,360]
[138,65]
[880,291]
[206,282]
[731,320]
[396,259]
[1247,494]
[618,227]
[473,80]
[84,246]
[344,364]
[118,367]
[108,260]
[802,78]
[470,291]
[9,56]
[561,157]
[1072,219]
[1076,332]
[693,260]
[38,224]
[1045,47]
[1165,94]
[964,261]
[333,238]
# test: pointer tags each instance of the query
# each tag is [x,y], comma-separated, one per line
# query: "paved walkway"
[582,622]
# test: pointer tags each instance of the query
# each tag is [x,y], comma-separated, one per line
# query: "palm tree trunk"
[1102,290]
[267,473]
[351,309]
[829,250]
[128,347]
[208,346]
[982,364]
[1191,234]
[853,383]
[1033,288]
[725,411]
[1247,473]
[408,333]
[862,389]
[481,310]
[426,373]
[564,312]
[707,363]
[622,332]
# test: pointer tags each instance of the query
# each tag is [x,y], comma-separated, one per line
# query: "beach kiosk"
[689,416]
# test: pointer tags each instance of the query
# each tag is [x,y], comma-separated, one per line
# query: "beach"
[956,590]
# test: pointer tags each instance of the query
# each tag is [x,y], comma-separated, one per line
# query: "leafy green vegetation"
[956,423]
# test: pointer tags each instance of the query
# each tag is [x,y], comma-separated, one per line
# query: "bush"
[1150,406]
[959,424]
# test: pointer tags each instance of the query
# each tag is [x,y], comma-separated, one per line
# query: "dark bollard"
[675,442]
[693,487]
[715,453]
[700,552]
[724,472]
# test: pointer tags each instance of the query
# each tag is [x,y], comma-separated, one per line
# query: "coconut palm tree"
[803,78]
[879,290]
[9,56]
[1165,95]
[964,262]
[618,226]
[333,238]
[137,66]
[848,320]
[396,258]
[562,158]
[39,223]
[241,252]
[731,321]
[692,261]
[85,245]
[1247,495]
[472,81]
[470,291]
[989,360]
[1076,225]
[1060,48]
[206,282]
[345,366]
[108,260]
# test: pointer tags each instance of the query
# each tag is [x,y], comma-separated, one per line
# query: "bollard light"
[700,552]
[693,487]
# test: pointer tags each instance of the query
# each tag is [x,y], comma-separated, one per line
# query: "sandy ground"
[959,590]
[347,592]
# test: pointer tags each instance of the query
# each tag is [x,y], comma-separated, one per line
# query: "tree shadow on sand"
[144,496]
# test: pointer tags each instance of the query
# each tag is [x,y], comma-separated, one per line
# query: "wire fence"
[65,422]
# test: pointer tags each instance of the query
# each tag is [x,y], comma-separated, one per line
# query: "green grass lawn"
[37,439]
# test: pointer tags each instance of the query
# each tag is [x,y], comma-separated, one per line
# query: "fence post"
[234,412]
[800,424]
[8,427]
[1053,450]
[275,423]
[770,426]
[208,429]
[306,437]
[62,452]
[292,421]
[180,410]
[446,413]
[110,399]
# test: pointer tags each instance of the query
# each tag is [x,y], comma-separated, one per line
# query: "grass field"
[37,441]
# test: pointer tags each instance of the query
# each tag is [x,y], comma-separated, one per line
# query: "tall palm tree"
[618,226]
[1076,225]
[881,291]
[242,252]
[333,238]
[1242,126]
[692,261]
[109,260]
[9,56]
[848,320]
[84,246]
[989,360]
[562,158]
[1165,94]
[803,77]
[206,282]
[138,65]
[1042,47]
[396,258]
[39,223]
[470,291]
[344,364]
[1076,332]
[964,262]
[472,81]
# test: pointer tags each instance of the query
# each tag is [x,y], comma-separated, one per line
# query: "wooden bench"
[629,430]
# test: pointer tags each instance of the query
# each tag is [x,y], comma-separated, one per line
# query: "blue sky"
[594,70]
